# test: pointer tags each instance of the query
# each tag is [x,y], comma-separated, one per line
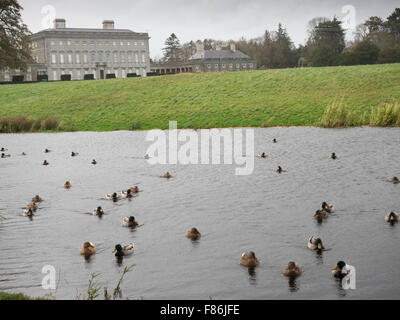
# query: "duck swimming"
[279,170]
[45,163]
[167,175]
[193,234]
[98,211]
[74,154]
[127,194]
[88,249]
[134,189]
[146,156]
[47,150]
[340,270]
[321,214]
[392,217]
[262,155]
[32,206]
[121,251]
[37,198]
[94,162]
[28,213]
[292,270]
[333,156]
[274,140]
[23,154]
[113,196]
[249,259]
[315,243]
[394,180]
[3,155]
[3,149]
[67,185]
[130,222]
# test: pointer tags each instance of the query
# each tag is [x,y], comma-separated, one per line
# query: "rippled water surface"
[268,213]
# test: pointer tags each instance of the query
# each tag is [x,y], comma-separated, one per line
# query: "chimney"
[218,47]
[108,24]
[233,46]
[59,24]
[199,47]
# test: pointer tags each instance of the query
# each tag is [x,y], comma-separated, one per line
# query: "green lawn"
[286,97]
[16,296]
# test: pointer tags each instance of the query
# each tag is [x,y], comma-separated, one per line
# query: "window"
[237,66]
[136,57]
[129,57]
[100,54]
[216,66]
[122,57]
[143,57]
[135,43]
[108,57]
[114,43]
[121,43]
[53,58]
[115,57]
[52,43]
[60,43]
[84,43]
[250,65]
[85,57]
[77,58]
[231,66]
[128,43]
[68,43]
[69,58]
[223,66]
[92,43]
[61,58]
[244,66]
[209,66]
[6,77]
[92,57]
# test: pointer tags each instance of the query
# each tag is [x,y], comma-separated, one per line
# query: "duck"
[121,251]
[23,154]
[327,207]
[392,217]
[36,199]
[321,214]
[28,213]
[315,243]
[167,175]
[249,259]
[333,156]
[67,185]
[3,149]
[3,155]
[74,154]
[113,196]
[45,163]
[146,156]
[193,234]
[280,170]
[94,162]
[32,206]
[130,222]
[98,211]
[292,270]
[47,150]
[88,249]
[339,271]
[134,189]
[262,155]
[127,193]
[394,180]
[274,140]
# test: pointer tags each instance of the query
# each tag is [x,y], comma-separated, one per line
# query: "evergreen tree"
[172,49]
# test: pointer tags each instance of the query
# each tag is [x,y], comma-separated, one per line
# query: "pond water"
[269,213]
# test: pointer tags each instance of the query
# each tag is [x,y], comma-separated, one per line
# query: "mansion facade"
[78,52]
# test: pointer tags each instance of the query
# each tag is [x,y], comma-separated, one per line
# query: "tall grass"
[386,115]
[19,124]
[337,115]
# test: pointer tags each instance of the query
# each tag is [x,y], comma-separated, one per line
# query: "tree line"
[375,41]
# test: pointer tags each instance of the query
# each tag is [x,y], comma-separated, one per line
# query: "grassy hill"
[286,97]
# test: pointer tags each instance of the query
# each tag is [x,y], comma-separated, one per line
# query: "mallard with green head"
[112,196]
[121,251]
[130,222]
[315,244]
[98,211]
[392,217]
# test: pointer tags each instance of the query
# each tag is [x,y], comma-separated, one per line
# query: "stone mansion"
[78,51]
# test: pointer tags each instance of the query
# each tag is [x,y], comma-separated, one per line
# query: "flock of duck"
[248,259]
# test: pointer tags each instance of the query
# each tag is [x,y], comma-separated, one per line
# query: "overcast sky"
[199,19]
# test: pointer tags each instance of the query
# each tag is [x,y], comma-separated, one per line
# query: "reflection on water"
[265,212]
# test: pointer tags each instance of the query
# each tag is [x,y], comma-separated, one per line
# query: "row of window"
[79,74]
[230,66]
[93,57]
[93,42]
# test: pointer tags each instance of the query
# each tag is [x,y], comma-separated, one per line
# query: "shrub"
[152,74]
[135,125]
[15,124]
[50,124]
[386,114]
[337,116]
[18,79]
[110,76]
[131,75]
[88,77]
[65,77]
